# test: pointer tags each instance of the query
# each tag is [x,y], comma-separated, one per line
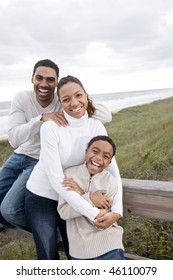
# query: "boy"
[92,243]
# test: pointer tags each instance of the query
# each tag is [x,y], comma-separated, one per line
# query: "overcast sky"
[111,45]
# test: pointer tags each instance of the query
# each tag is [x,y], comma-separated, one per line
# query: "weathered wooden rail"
[150,199]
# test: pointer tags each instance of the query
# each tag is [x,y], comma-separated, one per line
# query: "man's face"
[98,156]
[44,81]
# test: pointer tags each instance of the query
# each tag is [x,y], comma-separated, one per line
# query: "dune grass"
[144,137]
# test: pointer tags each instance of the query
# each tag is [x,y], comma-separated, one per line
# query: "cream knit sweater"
[85,240]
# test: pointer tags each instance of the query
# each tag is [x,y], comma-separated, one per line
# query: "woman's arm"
[66,211]
[53,168]
[117,205]
[116,213]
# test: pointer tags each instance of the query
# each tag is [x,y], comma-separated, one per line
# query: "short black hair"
[103,138]
[46,63]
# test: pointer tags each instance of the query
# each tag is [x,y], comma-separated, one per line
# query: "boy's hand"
[72,186]
[100,200]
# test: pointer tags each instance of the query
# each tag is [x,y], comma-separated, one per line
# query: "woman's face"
[73,99]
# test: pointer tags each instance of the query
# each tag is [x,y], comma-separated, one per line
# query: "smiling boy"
[92,176]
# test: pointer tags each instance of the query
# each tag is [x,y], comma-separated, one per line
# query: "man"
[28,111]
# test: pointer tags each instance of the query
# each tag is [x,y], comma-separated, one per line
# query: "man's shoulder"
[26,94]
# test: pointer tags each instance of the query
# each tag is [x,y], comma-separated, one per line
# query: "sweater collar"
[76,122]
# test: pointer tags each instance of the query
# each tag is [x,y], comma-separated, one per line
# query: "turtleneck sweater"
[63,147]
[24,121]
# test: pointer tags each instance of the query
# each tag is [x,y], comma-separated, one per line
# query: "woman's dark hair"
[70,79]
[103,138]
[46,63]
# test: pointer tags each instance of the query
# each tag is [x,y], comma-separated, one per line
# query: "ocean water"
[114,102]
[120,100]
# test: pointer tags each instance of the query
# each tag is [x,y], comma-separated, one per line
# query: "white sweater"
[62,147]
[86,241]
[24,121]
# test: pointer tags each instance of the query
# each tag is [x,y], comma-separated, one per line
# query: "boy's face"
[98,156]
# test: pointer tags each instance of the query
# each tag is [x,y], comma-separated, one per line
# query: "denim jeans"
[43,218]
[117,254]
[13,177]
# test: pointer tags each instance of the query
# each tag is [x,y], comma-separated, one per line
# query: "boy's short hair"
[103,138]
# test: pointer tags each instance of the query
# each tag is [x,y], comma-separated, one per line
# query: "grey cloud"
[63,29]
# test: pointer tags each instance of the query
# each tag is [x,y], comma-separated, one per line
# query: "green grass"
[5,151]
[144,139]
[18,250]
[143,135]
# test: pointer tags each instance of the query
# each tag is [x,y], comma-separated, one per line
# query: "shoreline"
[3,137]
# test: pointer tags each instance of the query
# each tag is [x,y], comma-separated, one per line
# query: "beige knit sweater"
[85,239]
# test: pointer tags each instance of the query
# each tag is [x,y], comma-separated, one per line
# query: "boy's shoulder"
[108,176]
[74,169]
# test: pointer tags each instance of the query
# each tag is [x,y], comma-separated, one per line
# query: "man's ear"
[32,80]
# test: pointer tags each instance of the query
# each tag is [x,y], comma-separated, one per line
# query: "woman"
[62,147]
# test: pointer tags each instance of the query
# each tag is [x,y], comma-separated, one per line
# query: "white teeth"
[76,110]
[43,90]
[95,163]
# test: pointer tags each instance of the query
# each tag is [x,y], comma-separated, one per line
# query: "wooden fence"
[150,199]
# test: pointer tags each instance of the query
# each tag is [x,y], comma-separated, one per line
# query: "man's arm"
[102,113]
[21,127]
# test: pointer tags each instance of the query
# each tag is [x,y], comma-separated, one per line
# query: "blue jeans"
[13,177]
[117,254]
[43,218]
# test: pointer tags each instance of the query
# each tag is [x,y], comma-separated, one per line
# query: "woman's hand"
[71,185]
[105,220]
[100,200]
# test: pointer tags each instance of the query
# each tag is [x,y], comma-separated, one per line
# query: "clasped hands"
[105,218]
